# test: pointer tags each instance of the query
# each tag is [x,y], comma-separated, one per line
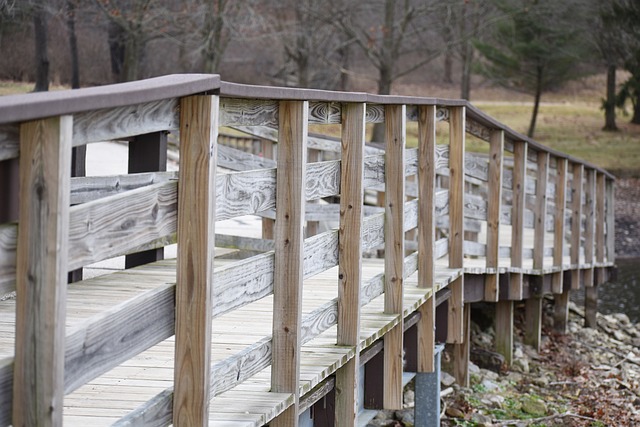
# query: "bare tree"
[393,35]
[73,43]
[131,26]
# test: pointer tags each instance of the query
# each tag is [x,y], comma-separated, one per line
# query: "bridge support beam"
[504,330]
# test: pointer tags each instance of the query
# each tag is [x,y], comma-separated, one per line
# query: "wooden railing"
[516,223]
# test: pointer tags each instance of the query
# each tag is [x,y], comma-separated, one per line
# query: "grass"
[576,128]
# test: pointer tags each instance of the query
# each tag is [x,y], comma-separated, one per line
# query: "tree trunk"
[116,50]
[132,53]
[465,81]
[610,102]
[448,66]
[384,88]
[536,103]
[344,75]
[636,109]
[42,56]
[73,44]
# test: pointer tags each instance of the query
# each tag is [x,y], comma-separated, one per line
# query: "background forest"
[532,47]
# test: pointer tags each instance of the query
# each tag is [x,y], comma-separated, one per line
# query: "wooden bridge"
[244,331]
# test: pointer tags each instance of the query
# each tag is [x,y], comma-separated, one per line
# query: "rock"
[514,377]
[522,365]
[481,419]
[518,353]
[406,417]
[473,368]
[619,335]
[446,379]
[409,398]
[541,381]
[493,401]
[621,317]
[487,359]
[454,412]
[489,385]
[533,406]
[489,375]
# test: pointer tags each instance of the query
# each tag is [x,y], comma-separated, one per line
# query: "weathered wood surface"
[350,259]
[576,221]
[289,253]
[194,275]
[38,381]
[559,223]
[496,154]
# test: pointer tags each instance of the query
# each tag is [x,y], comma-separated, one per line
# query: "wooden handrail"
[463,206]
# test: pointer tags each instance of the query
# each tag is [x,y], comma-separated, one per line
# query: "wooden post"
[591,306]
[461,351]
[533,321]
[540,210]
[504,330]
[41,271]
[561,311]
[611,222]
[600,224]
[496,154]
[576,223]
[589,232]
[517,217]
[147,153]
[78,168]
[194,278]
[350,259]
[312,226]
[426,234]
[395,133]
[267,223]
[9,190]
[456,221]
[533,305]
[558,229]
[289,254]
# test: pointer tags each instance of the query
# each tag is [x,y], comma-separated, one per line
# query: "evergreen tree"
[535,48]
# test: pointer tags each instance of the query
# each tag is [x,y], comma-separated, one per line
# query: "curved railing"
[454,227]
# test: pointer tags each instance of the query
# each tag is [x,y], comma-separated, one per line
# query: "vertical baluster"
[41,271]
[395,133]
[589,227]
[576,223]
[611,223]
[533,304]
[559,221]
[350,268]
[289,254]
[496,154]
[520,150]
[196,230]
[147,153]
[456,317]
[600,224]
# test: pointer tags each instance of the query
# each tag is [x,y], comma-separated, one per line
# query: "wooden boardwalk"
[244,331]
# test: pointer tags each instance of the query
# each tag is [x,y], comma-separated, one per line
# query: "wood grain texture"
[504,330]
[350,253]
[542,177]
[117,224]
[41,271]
[8,249]
[589,226]
[611,223]
[517,217]
[559,223]
[121,122]
[287,288]
[576,221]
[461,351]
[194,283]
[533,322]
[9,141]
[248,112]
[455,333]
[427,166]
[494,209]
[395,134]
[600,218]
[90,188]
